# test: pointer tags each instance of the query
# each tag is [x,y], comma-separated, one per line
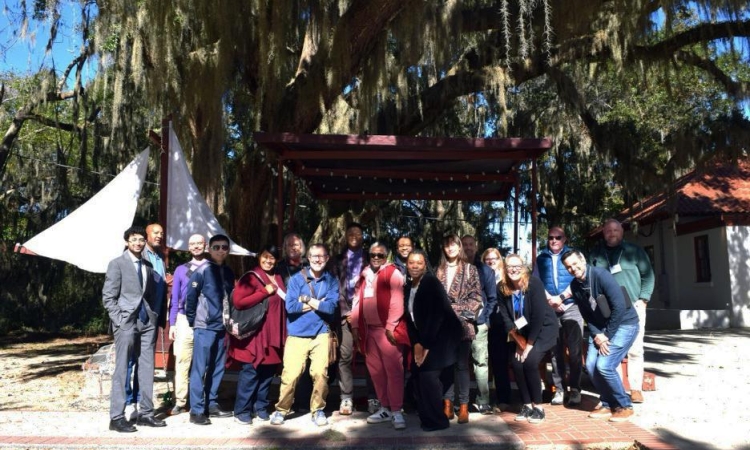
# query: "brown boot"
[448,409]
[463,413]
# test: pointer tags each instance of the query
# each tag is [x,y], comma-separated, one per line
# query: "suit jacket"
[434,324]
[122,293]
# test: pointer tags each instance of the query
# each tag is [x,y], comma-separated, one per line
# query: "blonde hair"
[507,287]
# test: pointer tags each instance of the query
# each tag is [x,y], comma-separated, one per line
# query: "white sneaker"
[131,412]
[575,397]
[347,407]
[380,416]
[373,405]
[399,423]
[558,399]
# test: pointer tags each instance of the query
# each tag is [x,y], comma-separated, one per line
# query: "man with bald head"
[631,267]
[179,331]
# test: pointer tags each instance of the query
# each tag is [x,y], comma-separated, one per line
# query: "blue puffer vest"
[544,263]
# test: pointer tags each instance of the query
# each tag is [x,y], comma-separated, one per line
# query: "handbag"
[243,323]
[333,339]
[518,339]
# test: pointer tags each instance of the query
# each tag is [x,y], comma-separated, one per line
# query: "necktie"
[142,313]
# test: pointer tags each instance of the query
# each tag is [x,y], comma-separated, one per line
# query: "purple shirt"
[180,283]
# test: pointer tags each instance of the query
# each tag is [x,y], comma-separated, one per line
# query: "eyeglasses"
[137,241]
[555,238]
[318,257]
[378,255]
[218,247]
[491,259]
[513,268]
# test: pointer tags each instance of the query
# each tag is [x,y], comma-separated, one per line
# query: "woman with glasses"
[260,353]
[497,342]
[379,333]
[460,280]
[494,260]
[524,304]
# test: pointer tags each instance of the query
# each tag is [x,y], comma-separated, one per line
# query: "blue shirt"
[315,322]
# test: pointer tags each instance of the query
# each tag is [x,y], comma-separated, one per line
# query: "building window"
[702,262]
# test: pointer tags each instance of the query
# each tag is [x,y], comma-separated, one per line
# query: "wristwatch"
[562,297]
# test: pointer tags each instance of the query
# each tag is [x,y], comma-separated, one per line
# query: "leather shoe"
[448,409]
[151,421]
[219,413]
[199,419]
[463,413]
[121,426]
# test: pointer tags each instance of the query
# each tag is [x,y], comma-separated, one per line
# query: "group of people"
[419,329]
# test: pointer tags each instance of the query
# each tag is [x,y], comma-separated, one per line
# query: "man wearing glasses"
[129,296]
[179,330]
[550,269]
[375,320]
[311,300]
[204,306]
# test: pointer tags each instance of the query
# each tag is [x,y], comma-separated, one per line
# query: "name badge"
[615,269]
[281,294]
[352,282]
[369,292]
[592,302]
[521,322]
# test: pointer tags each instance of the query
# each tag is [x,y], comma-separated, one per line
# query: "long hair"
[447,240]
[507,284]
[500,264]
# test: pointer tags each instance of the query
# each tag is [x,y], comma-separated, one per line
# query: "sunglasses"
[555,238]
[218,247]
[378,255]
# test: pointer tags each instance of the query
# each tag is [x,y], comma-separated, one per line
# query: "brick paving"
[563,428]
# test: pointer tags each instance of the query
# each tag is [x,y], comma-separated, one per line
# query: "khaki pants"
[296,352]
[635,354]
[183,353]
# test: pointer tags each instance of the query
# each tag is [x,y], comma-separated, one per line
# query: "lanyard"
[518,300]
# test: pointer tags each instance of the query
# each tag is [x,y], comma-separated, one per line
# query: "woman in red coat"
[260,353]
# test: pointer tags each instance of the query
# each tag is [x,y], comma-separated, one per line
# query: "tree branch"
[737,89]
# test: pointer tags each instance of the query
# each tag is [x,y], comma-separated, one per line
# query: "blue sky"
[27,55]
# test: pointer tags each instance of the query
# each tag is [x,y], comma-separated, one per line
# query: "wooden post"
[292,203]
[164,182]
[515,214]
[280,203]
[534,188]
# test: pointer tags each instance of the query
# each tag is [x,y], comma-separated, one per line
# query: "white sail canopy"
[100,222]
[187,211]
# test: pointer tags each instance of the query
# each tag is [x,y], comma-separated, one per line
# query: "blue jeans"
[132,391]
[208,361]
[603,369]
[252,390]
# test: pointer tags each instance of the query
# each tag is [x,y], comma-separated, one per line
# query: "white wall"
[738,243]
[674,266]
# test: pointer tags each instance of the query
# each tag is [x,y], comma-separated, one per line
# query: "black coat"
[435,324]
[542,328]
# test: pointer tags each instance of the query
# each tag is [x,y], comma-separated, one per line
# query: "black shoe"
[219,413]
[177,409]
[121,426]
[525,413]
[151,421]
[484,409]
[199,419]
[537,415]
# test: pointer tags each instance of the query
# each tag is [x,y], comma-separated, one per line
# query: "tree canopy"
[632,93]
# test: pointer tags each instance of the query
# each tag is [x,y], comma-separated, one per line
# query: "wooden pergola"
[378,167]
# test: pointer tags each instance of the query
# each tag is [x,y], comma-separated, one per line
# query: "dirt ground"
[44,373]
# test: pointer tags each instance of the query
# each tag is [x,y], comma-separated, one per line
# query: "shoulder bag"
[243,323]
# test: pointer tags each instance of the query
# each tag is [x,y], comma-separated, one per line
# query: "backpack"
[243,323]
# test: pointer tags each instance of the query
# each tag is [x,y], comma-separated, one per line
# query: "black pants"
[430,386]
[571,336]
[527,375]
[463,376]
[500,352]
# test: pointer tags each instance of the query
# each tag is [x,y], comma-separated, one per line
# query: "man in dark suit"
[129,296]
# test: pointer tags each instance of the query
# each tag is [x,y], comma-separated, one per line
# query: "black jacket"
[542,328]
[435,324]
